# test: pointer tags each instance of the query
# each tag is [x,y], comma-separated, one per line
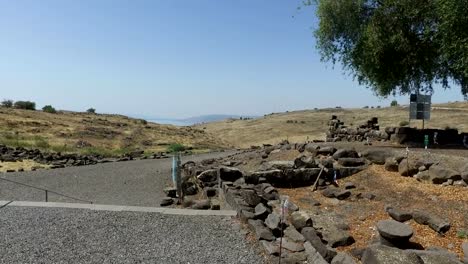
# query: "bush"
[394,103]
[91,111]
[7,103]
[176,147]
[49,109]
[366,107]
[404,123]
[27,105]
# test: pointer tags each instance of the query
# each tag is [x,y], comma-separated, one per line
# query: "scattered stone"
[351,162]
[391,164]
[305,161]
[326,151]
[343,258]
[406,169]
[394,231]
[261,232]
[261,211]
[422,168]
[336,237]
[272,248]
[465,251]
[439,256]
[330,192]
[245,215]
[300,220]
[294,258]
[291,245]
[273,221]
[434,222]
[313,256]
[399,215]
[201,205]
[377,156]
[250,197]
[166,201]
[378,254]
[342,195]
[345,153]
[293,234]
[439,174]
[349,186]
[208,176]
[229,174]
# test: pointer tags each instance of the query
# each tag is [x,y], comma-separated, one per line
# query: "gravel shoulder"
[58,235]
[138,183]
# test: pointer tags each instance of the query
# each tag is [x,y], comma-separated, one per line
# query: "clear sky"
[172,58]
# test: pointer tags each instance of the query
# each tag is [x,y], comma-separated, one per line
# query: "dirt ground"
[389,188]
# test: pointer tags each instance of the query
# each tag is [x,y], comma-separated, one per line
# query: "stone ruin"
[338,131]
[313,238]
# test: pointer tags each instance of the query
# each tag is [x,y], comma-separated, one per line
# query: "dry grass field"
[109,135]
[297,126]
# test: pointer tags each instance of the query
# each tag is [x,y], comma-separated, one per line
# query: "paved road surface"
[121,183]
[59,235]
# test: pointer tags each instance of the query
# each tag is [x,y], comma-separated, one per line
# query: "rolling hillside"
[110,135]
[297,126]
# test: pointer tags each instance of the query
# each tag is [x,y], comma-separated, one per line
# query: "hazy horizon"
[173,59]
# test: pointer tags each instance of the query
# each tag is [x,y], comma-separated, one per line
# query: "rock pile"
[425,170]
[59,160]
[337,131]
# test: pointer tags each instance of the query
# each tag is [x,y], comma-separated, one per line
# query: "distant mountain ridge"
[195,119]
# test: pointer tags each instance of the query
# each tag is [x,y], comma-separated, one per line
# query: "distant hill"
[211,118]
[298,126]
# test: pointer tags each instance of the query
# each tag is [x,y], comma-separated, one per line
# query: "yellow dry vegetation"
[26,165]
[299,126]
[101,133]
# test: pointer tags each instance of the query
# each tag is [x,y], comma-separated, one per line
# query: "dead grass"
[403,192]
[109,134]
[275,127]
[26,165]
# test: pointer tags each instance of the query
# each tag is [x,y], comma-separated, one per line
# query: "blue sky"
[172,58]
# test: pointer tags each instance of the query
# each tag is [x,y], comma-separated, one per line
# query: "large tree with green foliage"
[396,46]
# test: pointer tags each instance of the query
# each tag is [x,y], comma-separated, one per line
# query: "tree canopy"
[396,46]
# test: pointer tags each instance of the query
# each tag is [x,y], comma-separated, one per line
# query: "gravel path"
[137,183]
[57,235]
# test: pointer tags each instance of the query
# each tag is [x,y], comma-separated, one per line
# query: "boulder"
[343,258]
[314,240]
[398,214]
[170,192]
[465,251]
[208,176]
[301,219]
[291,233]
[435,222]
[336,237]
[250,197]
[391,164]
[305,161]
[351,162]
[349,186]
[261,211]
[378,254]
[326,151]
[377,156]
[439,174]
[464,173]
[272,248]
[345,153]
[215,204]
[273,221]
[291,245]
[245,215]
[229,174]
[261,231]
[408,169]
[313,256]
[311,148]
[439,256]
[210,192]
[278,165]
[394,231]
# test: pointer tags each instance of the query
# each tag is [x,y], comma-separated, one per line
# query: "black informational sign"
[420,106]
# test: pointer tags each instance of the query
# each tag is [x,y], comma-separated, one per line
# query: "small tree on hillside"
[7,103]
[49,109]
[91,111]
[394,103]
[26,105]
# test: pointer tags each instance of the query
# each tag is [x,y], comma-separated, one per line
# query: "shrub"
[7,103]
[378,106]
[27,105]
[404,123]
[394,103]
[176,147]
[366,107]
[91,111]
[49,109]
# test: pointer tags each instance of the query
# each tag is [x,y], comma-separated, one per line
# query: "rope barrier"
[45,190]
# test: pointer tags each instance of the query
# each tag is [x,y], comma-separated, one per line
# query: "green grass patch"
[176,147]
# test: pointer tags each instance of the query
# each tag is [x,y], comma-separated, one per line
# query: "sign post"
[420,107]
